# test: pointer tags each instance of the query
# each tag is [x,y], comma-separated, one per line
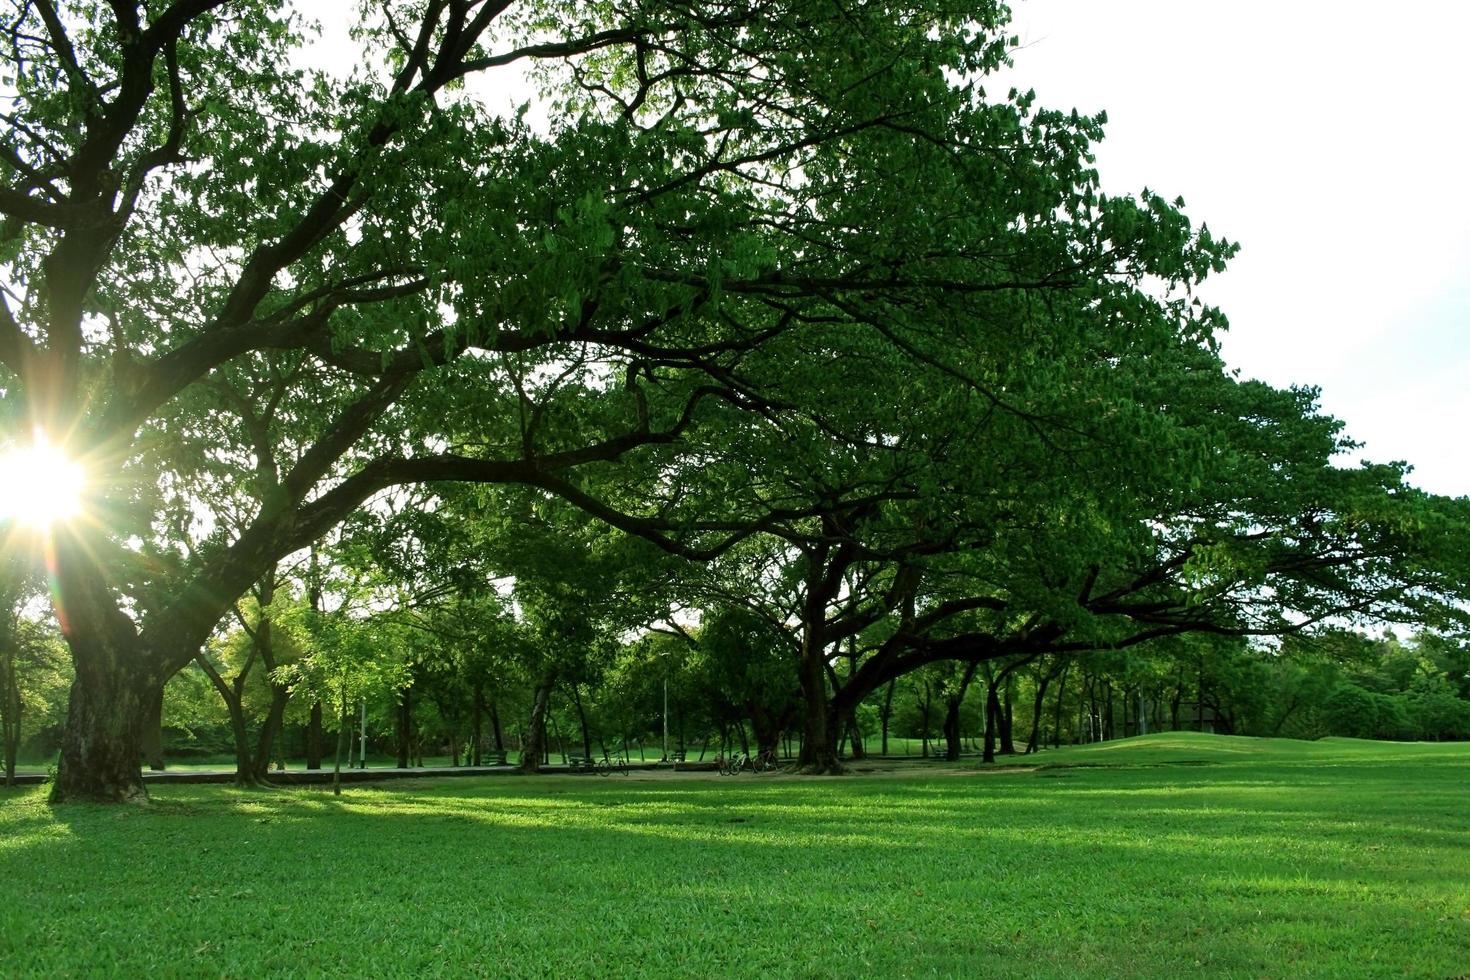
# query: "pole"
[362,738]
[666,711]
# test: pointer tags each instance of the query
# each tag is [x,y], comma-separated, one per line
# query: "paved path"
[301,777]
[874,765]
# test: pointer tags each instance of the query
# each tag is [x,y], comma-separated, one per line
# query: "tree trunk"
[952,729]
[954,703]
[264,640]
[1199,702]
[117,676]
[153,733]
[1094,717]
[343,742]
[1056,735]
[536,734]
[1034,740]
[244,767]
[102,743]
[352,743]
[405,727]
[926,707]
[477,723]
[495,726]
[271,730]
[10,709]
[849,711]
[818,750]
[1175,701]
[886,713]
[1008,717]
[859,750]
[231,695]
[992,717]
[314,737]
[767,725]
[582,719]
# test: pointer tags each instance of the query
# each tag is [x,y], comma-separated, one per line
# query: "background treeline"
[454,709]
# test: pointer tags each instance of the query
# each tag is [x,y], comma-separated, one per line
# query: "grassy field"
[1163,856]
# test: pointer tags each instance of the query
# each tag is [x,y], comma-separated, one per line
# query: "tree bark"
[405,727]
[818,750]
[1176,700]
[153,733]
[314,737]
[102,743]
[343,742]
[952,730]
[582,719]
[768,725]
[954,702]
[1008,716]
[536,734]
[271,730]
[11,707]
[886,713]
[1042,680]
[1056,735]
[855,736]
[496,727]
[232,695]
[992,717]
[264,640]
[116,678]
[926,708]
[477,722]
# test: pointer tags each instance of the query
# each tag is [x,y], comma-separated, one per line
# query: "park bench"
[496,758]
[581,763]
[676,756]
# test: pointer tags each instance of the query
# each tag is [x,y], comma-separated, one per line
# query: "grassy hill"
[1193,748]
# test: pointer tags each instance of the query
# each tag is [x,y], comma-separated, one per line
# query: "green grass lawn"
[1165,856]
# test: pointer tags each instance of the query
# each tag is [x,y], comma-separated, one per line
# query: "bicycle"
[733,765]
[766,762]
[611,764]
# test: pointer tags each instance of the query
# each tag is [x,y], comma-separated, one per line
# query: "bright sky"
[1329,139]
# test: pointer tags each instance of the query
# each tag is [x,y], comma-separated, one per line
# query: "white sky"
[1330,140]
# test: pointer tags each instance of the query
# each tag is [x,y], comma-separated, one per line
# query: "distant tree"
[33,674]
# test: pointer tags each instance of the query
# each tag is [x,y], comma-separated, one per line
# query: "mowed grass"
[1163,856]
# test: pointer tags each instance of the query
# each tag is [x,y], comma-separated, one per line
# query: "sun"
[39,485]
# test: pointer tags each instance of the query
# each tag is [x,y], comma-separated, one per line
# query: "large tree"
[179,198]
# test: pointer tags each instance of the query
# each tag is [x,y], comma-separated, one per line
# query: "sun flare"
[39,485]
